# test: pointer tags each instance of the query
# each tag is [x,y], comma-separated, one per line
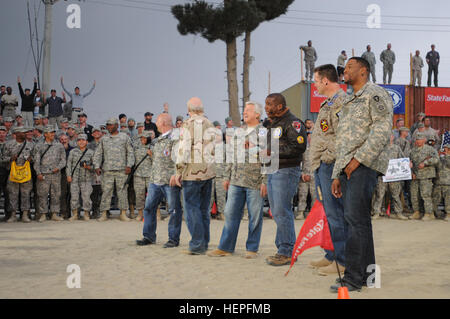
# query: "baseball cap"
[148,114]
[112,120]
[82,137]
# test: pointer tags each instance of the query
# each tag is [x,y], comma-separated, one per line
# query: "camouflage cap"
[227,119]
[28,128]
[82,137]
[216,123]
[19,129]
[64,120]
[96,129]
[8,119]
[179,118]
[71,126]
[421,136]
[420,114]
[143,134]
[40,128]
[2,128]
[49,129]
[404,128]
[420,125]
[140,124]
[37,117]
[112,120]
[131,119]
[19,115]
[431,138]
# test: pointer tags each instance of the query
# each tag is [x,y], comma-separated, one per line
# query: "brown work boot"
[12,218]
[140,215]
[132,215]
[218,253]
[86,216]
[323,262]
[428,216]
[416,215]
[278,260]
[331,270]
[25,217]
[103,217]
[123,216]
[74,215]
[56,218]
[219,216]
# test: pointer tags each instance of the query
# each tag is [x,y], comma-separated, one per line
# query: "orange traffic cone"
[388,211]
[270,214]
[214,209]
[343,293]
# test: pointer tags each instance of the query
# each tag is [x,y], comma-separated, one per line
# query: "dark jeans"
[155,195]
[432,69]
[334,210]
[196,198]
[359,249]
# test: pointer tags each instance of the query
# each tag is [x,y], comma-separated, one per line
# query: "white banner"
[398,170]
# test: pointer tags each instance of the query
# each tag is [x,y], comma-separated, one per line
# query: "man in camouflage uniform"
[310,58]
[369,56]
[322,155]
[163,168]
[402,141]
[306,184]
[114,157]
[393,151]
[424,159]
[387,57]
[365,125]
[143,173]
[441,188]
[79,172]
[420,129]
[245,184]
[417,65]
[96,195]
[50,159]
[11,152]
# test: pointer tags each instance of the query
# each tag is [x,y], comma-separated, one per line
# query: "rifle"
[133,170]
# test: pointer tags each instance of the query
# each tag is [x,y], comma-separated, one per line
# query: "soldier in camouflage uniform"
[441,188]
[365,126]
[395,188]
[369,56]
[96,195]
[163,168]
[402,141]
[424,159]
[80,163]
[11,153]
[310,58]
[143,173]
[114,157]
[306,184]
[245,184]
[50,159]
[387,57]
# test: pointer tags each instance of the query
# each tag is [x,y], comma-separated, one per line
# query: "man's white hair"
[258,107]
[195,105]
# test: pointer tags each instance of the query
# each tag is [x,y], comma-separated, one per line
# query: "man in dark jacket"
[27,103]
[55,109]
[149,125]
[290,133]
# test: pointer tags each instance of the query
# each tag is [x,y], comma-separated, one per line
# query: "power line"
[127,6]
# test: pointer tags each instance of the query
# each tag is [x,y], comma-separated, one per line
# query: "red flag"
[388,212]
[314,232]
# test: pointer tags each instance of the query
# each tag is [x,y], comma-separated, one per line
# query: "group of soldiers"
[387,57]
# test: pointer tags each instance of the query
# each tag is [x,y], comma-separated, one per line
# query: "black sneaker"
[170,244]
[144,242]
[338,282]
[334,288]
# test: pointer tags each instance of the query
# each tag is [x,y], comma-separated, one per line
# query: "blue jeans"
[196,198]
[357,199]
[234,209]
[281,188]
[155,194]
[334,210]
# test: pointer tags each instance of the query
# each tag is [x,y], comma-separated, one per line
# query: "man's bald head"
[195,105]
[164,122]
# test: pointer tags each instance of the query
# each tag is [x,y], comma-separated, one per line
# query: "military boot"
[428,216]
[25,217]
[12,218]
[56,218]
[416,215]
[132,215]
[399,216]
[86,216]
[140,215]
[123,216]
[219,216]
[376,216]
[74,215]
[41,217]
[103,217]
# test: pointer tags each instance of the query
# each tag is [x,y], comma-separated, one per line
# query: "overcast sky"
[139,60]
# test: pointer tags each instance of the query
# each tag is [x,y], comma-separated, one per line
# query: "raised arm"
[62,85]
[90,91]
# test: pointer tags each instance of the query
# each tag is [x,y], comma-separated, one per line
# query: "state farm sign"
[437,101]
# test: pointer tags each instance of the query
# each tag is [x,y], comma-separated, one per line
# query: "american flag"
[446,138]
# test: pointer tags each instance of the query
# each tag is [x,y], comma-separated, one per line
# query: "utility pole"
[47,45]
[269,84]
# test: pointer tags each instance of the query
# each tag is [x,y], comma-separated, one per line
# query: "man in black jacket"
[149,125]
[27,102]
[290,133]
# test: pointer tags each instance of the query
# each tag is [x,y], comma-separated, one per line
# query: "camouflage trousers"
[424,189]
[24,189]
[395,188]
[305,188]
[220,194]
[387,72]
[140,187]
[50,185]
[439,192]
[309,70]
[83,188]
[372,73]
[110,178]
